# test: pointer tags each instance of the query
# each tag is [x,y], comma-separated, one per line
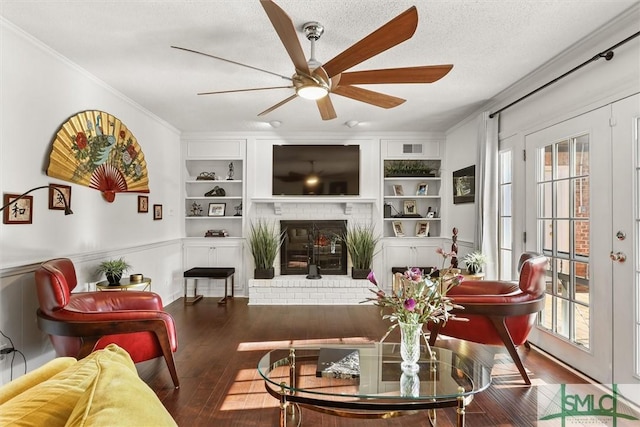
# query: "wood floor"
[220,345]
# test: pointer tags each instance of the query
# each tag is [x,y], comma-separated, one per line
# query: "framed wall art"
[397,190]
[157,212]
[143,204]
[217,209]
[464,185]
[21,212]
[56,200]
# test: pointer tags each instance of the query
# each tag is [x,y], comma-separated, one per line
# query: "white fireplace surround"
[298,290]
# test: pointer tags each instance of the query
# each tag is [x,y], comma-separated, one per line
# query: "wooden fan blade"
[279,104]
[370,97]
[425,74]
[325,106]
[244,90]
[287,33]
[394,32]
[232,62]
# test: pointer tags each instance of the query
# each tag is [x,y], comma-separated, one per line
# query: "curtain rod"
[606,54]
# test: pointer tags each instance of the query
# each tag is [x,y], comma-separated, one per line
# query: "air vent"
[411,148]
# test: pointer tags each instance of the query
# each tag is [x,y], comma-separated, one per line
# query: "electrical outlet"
[5,347]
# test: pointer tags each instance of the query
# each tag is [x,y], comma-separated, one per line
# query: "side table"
[208,273]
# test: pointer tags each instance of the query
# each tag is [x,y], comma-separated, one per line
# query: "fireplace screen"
[308,242]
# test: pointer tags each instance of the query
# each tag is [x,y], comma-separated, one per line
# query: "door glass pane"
[581,202]
[505,167]
[505,200]
[546,200]
[581,156]
[547,166]
[581,239]
[505,236]
[563,155]
[564,236]
[562,199]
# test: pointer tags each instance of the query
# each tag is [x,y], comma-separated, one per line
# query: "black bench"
[208,273]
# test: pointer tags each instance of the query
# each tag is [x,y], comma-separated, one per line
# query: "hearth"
[308,241]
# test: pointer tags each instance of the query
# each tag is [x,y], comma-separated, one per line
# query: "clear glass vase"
[410,334]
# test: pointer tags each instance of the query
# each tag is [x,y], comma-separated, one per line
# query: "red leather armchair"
[83,322]
[498,312]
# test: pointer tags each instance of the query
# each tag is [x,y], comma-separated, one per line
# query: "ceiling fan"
[315,81]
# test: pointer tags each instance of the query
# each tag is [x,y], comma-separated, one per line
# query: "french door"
[582,208]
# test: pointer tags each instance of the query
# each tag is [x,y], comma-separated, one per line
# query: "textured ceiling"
[492,44]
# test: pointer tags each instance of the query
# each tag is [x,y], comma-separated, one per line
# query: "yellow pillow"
[35,377]
[118,397]
[51,402]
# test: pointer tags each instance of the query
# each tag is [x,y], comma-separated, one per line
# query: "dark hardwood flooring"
[220,345]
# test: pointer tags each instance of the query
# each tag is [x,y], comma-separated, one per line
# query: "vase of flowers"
[418,298]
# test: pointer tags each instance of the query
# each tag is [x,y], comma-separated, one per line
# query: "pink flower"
[439,251]
[372,278]
[410,304]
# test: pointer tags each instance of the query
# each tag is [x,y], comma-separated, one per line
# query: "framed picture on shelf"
[422,229]
[397,190]
[397,229]
[422,189]
[143,204]
[21,212]
[217,209]
[56,200]
[157,212]
[409,207]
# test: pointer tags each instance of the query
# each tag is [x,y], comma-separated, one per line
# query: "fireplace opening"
[309,241]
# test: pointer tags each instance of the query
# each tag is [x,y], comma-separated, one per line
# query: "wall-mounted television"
[316,170]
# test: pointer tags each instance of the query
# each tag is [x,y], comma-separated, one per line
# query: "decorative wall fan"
[95,149]
[313,80]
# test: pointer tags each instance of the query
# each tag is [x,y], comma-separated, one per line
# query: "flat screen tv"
[316,170]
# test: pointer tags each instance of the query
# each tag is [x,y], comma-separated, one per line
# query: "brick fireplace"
[313,242]
[335,287]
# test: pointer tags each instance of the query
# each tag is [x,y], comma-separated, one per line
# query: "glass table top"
[372,371]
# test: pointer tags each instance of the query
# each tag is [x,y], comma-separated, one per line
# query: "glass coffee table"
[366,381]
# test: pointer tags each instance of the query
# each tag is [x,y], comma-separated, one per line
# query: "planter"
[264,273]
[359,273]
[114,279]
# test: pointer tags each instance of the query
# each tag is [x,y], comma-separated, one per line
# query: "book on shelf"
[338,363]
[216,233]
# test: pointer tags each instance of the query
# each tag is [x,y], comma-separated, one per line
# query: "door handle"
[618,257]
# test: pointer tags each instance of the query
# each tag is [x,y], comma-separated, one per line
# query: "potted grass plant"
[264,243]
[475,261]
[113,269]
[361,241]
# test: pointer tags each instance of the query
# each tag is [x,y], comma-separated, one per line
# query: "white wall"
[40,91]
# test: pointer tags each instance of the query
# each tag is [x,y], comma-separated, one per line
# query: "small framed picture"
[397,229]
[217,209]
[57,195]
[397,190]
[409,207]
[422,189]
[157,212]
[21,212]
[143,204]
[422,229]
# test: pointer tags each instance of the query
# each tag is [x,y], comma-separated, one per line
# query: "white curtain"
[487,192]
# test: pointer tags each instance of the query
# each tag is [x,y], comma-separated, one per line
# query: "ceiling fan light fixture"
[275,123]
[352,123]
[312,91]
